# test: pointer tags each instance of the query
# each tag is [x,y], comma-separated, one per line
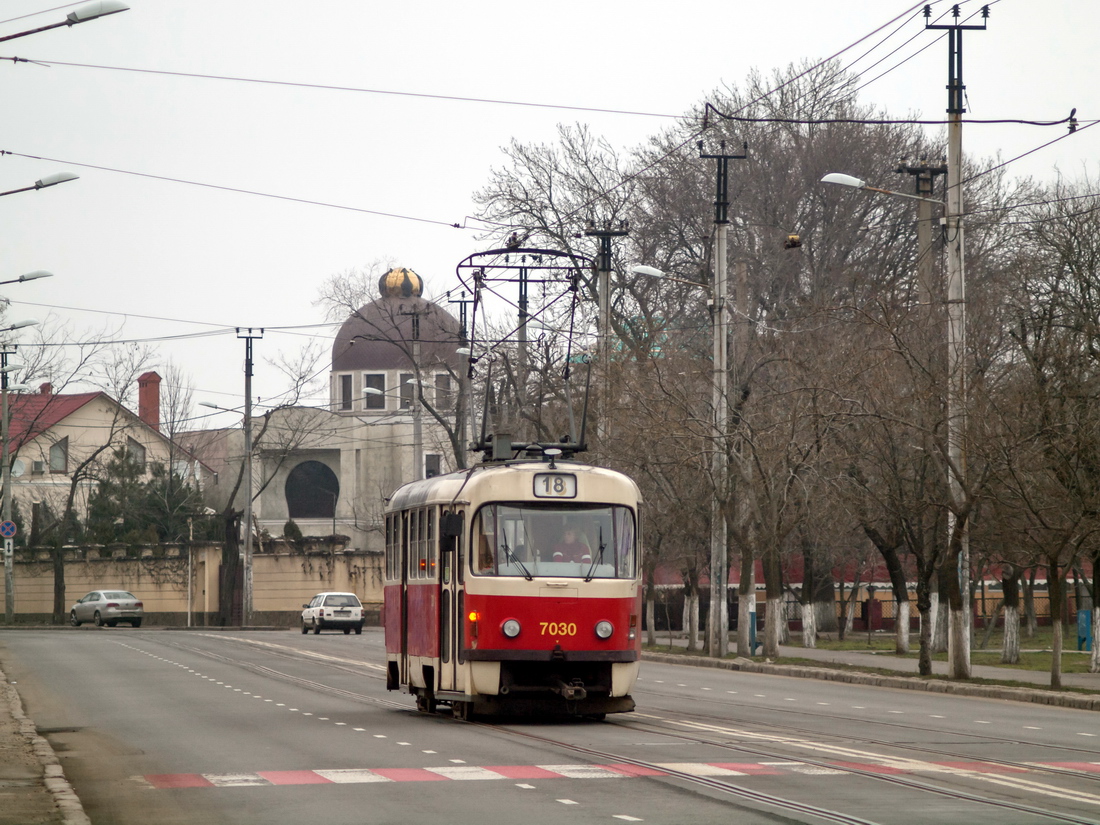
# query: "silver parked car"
[339,610]
[107,607]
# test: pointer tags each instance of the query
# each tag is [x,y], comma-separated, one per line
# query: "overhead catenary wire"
[337,88]
[236,190]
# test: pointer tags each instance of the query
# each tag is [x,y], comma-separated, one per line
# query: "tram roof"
[464,485]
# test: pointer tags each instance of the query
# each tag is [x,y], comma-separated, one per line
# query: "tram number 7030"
[558,628]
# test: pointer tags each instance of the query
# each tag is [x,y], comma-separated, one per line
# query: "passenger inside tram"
[514,541]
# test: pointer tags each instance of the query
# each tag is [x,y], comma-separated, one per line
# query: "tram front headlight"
[604,629]
[510,628]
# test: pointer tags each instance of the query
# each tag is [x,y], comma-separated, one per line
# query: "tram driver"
[571,547]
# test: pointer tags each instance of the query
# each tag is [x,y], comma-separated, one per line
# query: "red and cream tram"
[513,588]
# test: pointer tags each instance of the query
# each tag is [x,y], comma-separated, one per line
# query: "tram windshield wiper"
[598,559]
[509,555]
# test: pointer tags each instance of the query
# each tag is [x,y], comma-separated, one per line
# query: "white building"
[393,361]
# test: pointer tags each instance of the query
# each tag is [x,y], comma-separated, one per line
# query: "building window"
[59,456]
[312,490]
[136,452]
[407,390]
[375,400]
[433,465]
[443,399]
[345,392]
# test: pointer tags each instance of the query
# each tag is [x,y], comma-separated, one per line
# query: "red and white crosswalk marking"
[464,773]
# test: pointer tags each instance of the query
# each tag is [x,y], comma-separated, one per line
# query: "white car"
[343,611]
[107,607]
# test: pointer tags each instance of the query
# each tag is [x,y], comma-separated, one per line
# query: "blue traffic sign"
[7,529]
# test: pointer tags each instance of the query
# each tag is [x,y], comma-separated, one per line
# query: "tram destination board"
[555,485]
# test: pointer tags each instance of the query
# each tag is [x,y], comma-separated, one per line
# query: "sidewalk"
[904,673]
[887,661]
[33,788]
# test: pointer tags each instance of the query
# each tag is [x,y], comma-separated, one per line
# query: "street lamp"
[44,183]
[841,179]
[90,11]
[5,466]
[956,388]
[30,276]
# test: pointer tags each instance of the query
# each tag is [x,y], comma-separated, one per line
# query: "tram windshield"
[593,542]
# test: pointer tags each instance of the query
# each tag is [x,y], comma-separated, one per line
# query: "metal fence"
[867,613]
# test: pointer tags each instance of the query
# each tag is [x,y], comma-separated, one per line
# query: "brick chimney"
[149,399]
[45,389]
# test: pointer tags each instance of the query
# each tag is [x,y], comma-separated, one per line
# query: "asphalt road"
[276,727]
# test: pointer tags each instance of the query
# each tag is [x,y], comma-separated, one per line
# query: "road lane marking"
[1003,775]
[298,651]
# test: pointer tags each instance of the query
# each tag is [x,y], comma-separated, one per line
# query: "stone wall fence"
[179,583]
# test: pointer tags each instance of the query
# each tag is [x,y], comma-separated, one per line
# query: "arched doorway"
[311,491]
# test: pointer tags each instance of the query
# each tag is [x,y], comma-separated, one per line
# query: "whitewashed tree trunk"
[939,644]
[849,619]
[901,629]
[746,613]
[809,625]
[1094,659]
[1010,648]
[691,621]
[774,622]
[934,612]
[958,665]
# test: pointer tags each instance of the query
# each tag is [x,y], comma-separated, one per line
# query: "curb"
[1012,694]
[64,797]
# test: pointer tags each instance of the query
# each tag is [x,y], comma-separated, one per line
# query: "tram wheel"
[461,711]
[425,702]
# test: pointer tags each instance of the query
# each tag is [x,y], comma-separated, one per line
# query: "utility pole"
[928,289]
[924,175]
[718,617]
[248,335]
[416,402]
[9,544]
[603,292]
[958,517]
[463,405]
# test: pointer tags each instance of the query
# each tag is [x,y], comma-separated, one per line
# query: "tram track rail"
[911,784]
[663,772]
[932,751]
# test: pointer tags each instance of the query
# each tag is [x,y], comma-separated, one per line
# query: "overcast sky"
[147,258]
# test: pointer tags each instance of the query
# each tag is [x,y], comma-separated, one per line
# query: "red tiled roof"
[31,414]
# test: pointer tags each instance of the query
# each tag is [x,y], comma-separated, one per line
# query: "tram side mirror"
[450,525]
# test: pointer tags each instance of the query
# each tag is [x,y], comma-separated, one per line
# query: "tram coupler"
[572,693]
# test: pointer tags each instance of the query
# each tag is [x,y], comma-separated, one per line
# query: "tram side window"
[431,544]
[414,545]
[391,549]
[421,545]
[484,554]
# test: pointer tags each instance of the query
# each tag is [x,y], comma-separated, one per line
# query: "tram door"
[401,524]
[450,599]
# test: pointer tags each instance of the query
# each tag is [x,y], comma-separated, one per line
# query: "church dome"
[400,282]
[380,335]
